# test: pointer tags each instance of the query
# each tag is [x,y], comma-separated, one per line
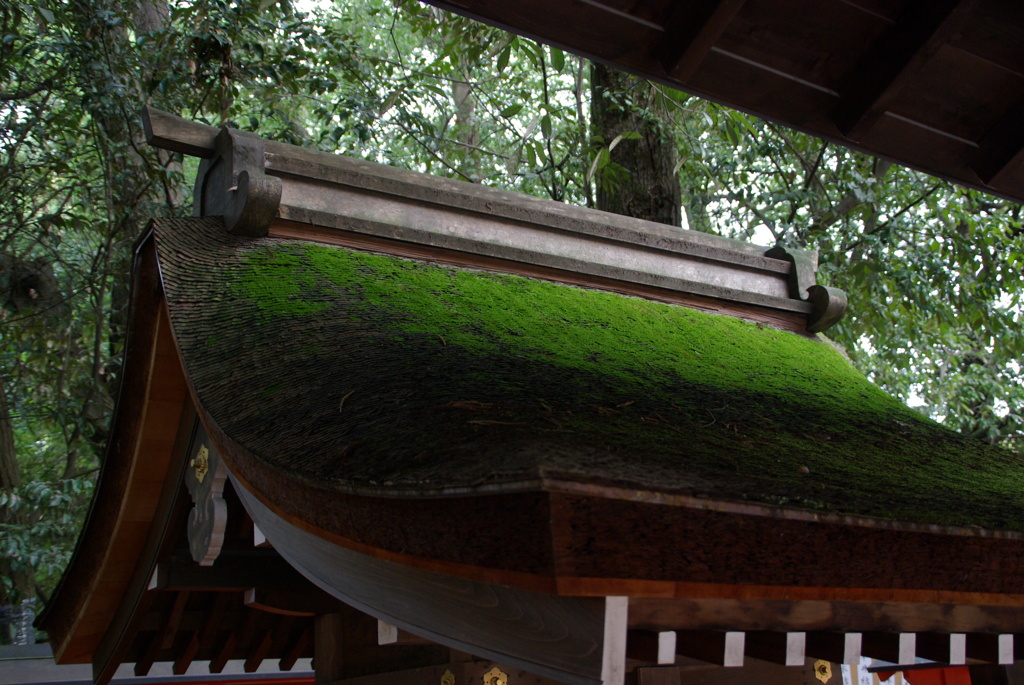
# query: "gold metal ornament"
[823,670]
[495,676]
[447,678]
[201,463]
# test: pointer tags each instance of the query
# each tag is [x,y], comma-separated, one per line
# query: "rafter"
[894,60]
[1002,148]
[690,31]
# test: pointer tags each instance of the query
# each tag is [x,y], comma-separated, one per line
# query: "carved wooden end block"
[205,478]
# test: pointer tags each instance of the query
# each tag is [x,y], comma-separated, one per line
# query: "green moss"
[736,406]
[601,332]
[277,283]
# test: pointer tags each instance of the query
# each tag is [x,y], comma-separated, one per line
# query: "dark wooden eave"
[937,85]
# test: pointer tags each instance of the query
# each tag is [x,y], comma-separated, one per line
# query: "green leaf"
[557,59]
[511,110]
[503,58]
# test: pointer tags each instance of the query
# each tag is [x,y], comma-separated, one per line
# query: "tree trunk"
[649,188]
[22,579]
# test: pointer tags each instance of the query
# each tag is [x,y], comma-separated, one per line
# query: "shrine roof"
[375,374]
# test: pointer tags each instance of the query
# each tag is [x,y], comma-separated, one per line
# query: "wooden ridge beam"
[170,132]
[689,33]
[894,60]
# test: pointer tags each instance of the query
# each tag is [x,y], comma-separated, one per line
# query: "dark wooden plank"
[690,31]
[894,60]
[947,648]
[787,649]
[657,675]
[235,570]
[840,648]
[990,674]
[560,637]
[725,648]
[995,648]
[651,646]
[896,648]
[170,132]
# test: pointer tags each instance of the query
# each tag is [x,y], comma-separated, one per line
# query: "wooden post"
[328,634]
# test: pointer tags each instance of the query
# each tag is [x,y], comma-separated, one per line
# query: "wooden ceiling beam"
[689,33]
[894,60]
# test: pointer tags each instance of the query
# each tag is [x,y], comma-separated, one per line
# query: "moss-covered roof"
[355,370]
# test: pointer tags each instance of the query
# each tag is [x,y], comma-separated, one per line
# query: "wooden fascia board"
[135,469]
[645,566]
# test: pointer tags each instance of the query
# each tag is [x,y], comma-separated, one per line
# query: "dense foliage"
[933,271]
